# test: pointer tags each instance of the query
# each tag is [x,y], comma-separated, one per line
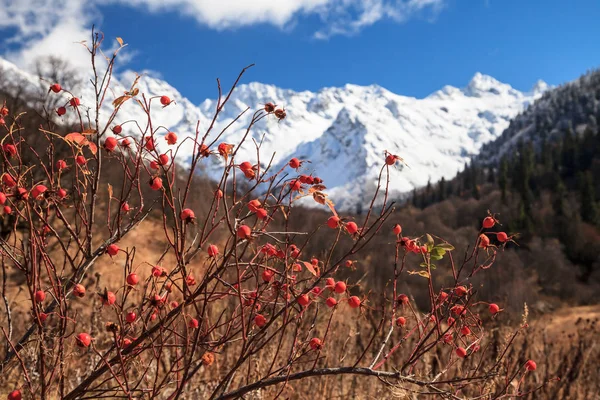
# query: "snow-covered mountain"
[342,131]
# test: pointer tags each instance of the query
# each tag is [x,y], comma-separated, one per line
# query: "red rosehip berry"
[316,344]
[130,317]
[260,320]
[488,222]
[190,280]
[187,215]
[14,395]
[117,129]
[7,210]
[165,100]
[125,142]
[502,237]
[330,283]
[295,163]
[400,321]
[402,299]
[163,159]
[55,88]
[267,275]
[204,150]
[149,143]
[80,160]
[494,309]
[254,205]
[125,207]
[340,287]
[132,279]
[60,111]
[110,144]
[40,296]
[280,114]
[171,138]
[261,213]
[75,102]
[79,290]
[108,298]
[460,291]
[158,271]
[530,365]
[304,300]
[246,166]
[62,193]
[461,352]
[61,164]
[84,340]
[156,183]
[397,229]
[391,159]
[269,107]
[333,222]
[2,198]
[244,232]
[38,191]
[8,180]
[112,250]
[22,194]
[354,302]
[458,310]
[295,185]
[351,227]
[465,330]
[10,149]
[484,241]
[212,250]
[331,302]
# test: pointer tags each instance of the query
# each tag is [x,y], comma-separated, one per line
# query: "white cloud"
[43,28]
[47,27]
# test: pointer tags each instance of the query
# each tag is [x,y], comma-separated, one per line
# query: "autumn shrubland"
[129,274]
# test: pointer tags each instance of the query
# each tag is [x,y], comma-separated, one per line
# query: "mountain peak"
[540,87]
[482,84]
[344,131]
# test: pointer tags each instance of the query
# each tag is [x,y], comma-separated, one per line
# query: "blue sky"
[414,47]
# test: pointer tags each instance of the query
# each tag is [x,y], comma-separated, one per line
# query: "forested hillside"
[544,172]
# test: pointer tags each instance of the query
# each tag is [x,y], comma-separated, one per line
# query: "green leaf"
[445,246]
[437,251]
[435,257]
[430,242]
[423,265]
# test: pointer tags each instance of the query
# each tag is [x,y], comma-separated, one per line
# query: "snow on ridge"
[343,131]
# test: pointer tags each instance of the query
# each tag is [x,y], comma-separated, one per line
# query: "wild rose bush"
[236,304]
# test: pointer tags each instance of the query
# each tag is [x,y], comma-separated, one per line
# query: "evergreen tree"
[415,200]
[589,207]
[428,194]
[442,189]
[560,197]
[503,178]
[491,175]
